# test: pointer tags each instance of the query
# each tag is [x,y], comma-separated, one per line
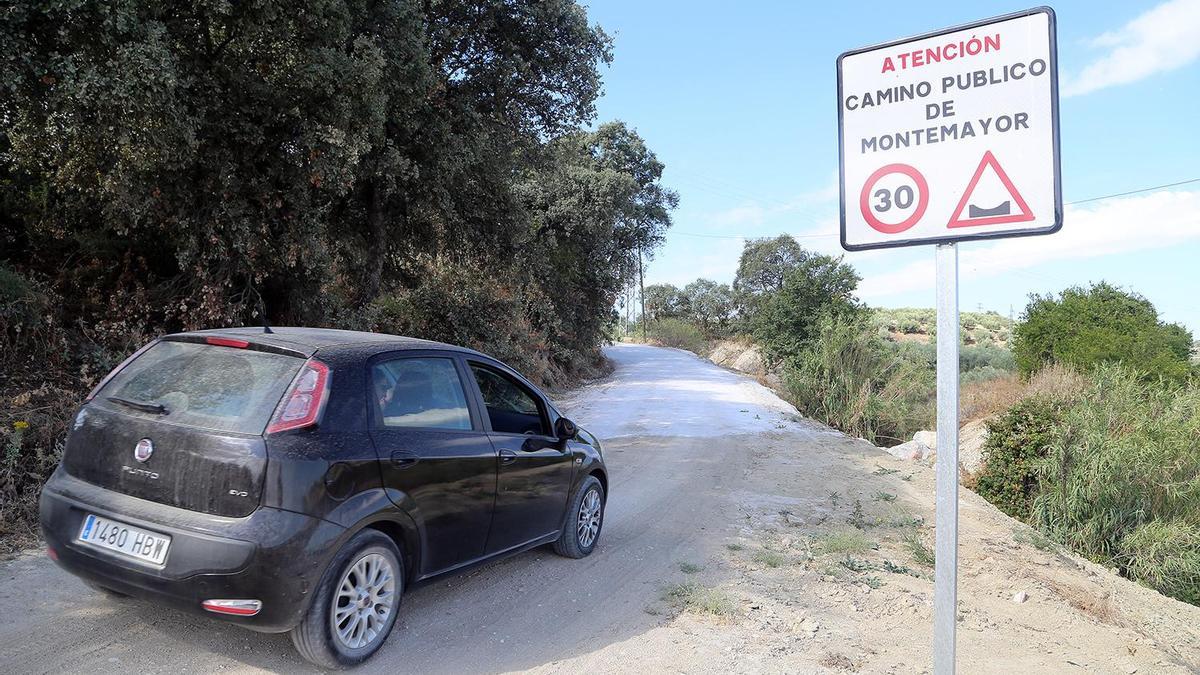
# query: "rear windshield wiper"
[156,408]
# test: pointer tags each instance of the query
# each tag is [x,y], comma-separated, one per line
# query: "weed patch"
[769,558]
[690,596]
[844,542]
[921,553]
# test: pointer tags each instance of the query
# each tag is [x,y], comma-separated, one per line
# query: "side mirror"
[565,429]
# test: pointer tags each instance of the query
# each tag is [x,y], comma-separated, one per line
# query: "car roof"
[309,340]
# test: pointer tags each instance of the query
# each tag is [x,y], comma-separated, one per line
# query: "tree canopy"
[782,290]
[401,165]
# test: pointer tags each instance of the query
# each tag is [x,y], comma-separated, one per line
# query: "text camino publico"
[964,81]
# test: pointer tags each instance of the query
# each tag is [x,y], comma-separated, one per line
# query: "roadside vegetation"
[429,169]
[869,372]
[1092,402]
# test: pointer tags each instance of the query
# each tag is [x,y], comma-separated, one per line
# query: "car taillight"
[302,404]
[113,373]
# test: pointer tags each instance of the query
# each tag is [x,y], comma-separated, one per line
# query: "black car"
[298,480]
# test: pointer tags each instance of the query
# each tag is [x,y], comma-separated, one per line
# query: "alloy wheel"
[364,601]
[588,525]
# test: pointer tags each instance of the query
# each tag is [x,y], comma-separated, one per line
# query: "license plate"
[129,541]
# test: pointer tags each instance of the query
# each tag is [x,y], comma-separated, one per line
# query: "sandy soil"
[739,538]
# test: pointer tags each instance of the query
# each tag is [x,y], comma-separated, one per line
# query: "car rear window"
[199,385]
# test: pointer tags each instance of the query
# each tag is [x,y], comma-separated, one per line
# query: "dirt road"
[738,538]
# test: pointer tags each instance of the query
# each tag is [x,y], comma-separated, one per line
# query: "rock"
[1020,597]
[750,361]
[810,626]
[970,445]
[911,450]
[739,356]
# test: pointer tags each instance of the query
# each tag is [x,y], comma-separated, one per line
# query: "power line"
[1134,192]
[834,234]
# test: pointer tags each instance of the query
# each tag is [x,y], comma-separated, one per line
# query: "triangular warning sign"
[991,211]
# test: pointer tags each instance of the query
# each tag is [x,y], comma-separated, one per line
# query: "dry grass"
[981,400]
[1097,604]
[1057,382]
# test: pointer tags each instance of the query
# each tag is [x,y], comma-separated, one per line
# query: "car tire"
[585,519]
[328,634]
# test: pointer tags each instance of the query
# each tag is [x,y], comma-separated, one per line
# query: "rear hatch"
[182,424]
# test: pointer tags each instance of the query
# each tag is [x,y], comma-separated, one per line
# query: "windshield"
[199,385]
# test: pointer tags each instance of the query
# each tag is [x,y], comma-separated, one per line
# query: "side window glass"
[420,392]
[511,407]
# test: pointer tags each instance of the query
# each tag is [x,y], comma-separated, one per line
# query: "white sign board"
[951,135]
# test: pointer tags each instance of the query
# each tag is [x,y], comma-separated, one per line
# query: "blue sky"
[739,101]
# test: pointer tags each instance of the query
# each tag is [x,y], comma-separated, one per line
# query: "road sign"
[951,135]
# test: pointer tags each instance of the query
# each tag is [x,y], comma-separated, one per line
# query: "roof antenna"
[262,311]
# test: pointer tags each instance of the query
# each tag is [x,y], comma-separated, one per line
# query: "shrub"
[1016,444]
[22,309]
[679,334]
[849,379]
[1125,456]
[1101,324]
[922,354]
[983,374]
[1166,557]
[977,356]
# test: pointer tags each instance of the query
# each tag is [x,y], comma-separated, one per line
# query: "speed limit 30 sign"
[951,135]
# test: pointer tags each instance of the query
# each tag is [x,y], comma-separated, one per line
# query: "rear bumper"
[271,555]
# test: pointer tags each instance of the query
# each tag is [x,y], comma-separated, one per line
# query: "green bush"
[971,357]
[1126,455]
[677,333]
[22,308]
[983,374]
[1015,447]
[923,354]
[848,378]
[1166,557]
[1083,327]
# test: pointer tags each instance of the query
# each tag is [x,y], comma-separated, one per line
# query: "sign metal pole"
[945,585]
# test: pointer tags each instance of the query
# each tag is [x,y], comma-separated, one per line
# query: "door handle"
[404,460]
[507,456]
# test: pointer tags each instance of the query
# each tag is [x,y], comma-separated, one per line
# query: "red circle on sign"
[865,206]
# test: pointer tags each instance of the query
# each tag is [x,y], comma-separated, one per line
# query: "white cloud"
[1158,220]
[1164,38]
